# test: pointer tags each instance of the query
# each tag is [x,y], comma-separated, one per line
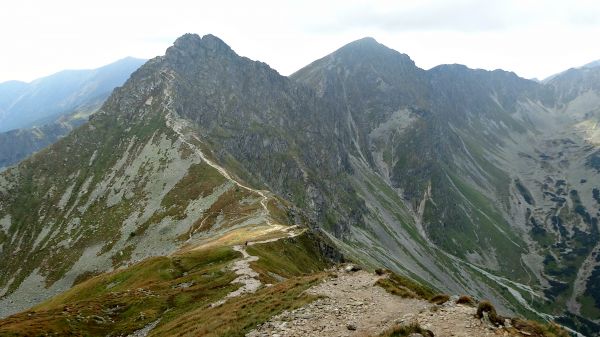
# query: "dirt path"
[246,275]
[178,125]
[353,306]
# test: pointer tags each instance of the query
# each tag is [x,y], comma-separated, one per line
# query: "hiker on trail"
[246,244]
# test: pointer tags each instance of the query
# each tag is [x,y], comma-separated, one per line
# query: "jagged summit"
[208,41]
[192,46]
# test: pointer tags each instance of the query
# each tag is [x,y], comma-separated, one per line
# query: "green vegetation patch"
[239,316]
[123,301]
[289,257]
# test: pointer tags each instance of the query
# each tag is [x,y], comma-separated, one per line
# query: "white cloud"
[534,38]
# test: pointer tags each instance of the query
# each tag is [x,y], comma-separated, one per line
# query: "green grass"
[289,257]
[127,300]
[236,318]
[36,192]
[588,307]
[200,181]
[178,290]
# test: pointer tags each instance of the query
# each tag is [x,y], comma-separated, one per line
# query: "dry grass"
[239,316]
[405,330]
[519,325]
[536,329]
[380,272]
[440,299]
[487,307]
[404,287]
[126,300]
[178,290]
[466,300]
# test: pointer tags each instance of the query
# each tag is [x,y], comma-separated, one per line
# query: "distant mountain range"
[50,107]
[464,181]
[43,100]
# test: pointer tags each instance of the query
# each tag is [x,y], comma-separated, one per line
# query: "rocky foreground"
[352,304]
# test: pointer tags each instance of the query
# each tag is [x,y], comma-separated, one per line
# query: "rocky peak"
[369,50]
[191,46]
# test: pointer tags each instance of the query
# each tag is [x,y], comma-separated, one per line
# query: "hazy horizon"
[534,38]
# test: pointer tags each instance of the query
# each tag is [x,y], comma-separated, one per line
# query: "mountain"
[42,101]
[75,97]
[593,64]
[491,166]
[464,181]
[16,145]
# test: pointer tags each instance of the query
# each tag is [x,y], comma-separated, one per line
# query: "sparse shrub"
[466,300]
[439,299]
[405,330]
[486,306]
[380,271]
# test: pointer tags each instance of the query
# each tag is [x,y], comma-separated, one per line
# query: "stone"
[351,268]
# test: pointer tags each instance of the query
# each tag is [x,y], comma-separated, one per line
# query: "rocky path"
[453,319]
[246,275]
[178,125]
[351,305]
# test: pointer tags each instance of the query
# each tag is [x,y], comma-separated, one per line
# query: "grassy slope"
[178,290]
[37,194]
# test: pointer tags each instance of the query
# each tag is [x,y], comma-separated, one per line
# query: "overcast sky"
[534,38]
